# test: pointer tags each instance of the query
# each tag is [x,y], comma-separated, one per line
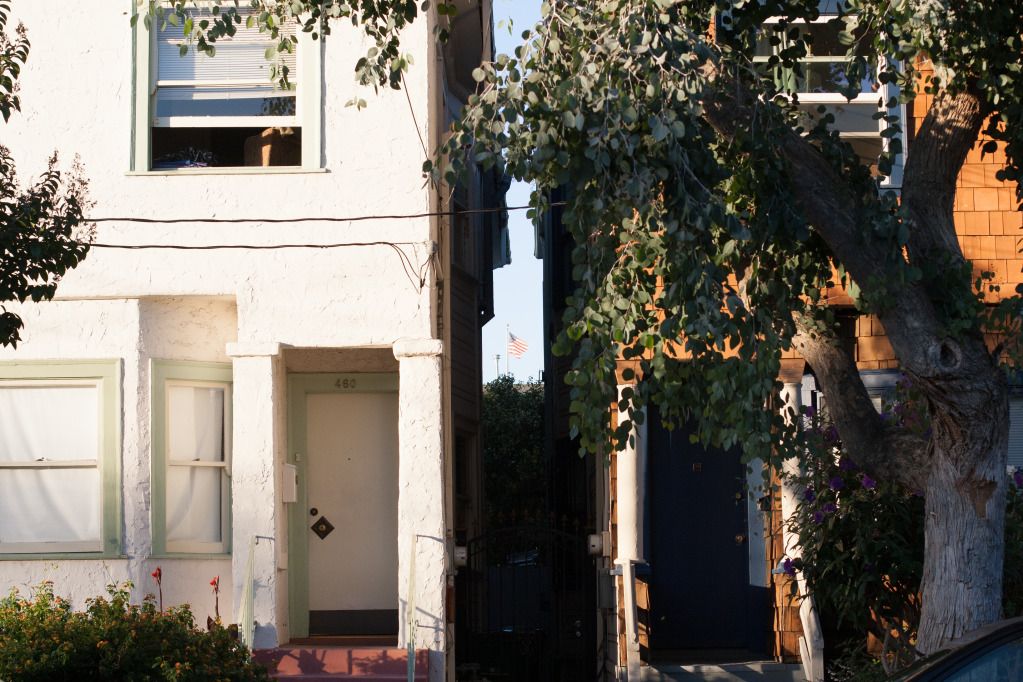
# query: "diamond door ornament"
[322,527]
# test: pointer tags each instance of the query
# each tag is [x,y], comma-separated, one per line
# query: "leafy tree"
[513,438]
[712,221]
[39,235]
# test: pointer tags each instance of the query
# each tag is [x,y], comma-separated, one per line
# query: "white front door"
[352,497]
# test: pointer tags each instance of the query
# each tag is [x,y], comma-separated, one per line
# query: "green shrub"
[42,638]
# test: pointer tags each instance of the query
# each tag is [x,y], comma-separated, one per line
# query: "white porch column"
[256,512]
[422,579]
[811,644]
[791,405]
[631,494]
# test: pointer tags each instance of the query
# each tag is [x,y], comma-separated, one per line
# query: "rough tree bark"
[961,467]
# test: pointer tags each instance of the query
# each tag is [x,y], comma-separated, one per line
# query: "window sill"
[62,556]
[238,170]
[187,555]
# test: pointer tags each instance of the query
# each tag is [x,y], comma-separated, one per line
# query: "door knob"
[313,511]
[740,538]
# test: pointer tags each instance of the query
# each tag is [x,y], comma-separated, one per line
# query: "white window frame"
[1015,460]
[165,375]
[885,93]
[105,377]
[308,107]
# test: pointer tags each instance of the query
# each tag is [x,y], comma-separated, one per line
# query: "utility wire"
[245,247]
[324,219]
[411,271]
[404,86]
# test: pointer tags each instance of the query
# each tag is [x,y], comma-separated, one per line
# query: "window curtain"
[195,494]
[49,424]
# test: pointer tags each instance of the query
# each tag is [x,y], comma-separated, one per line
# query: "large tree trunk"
[965,528]
[960,468]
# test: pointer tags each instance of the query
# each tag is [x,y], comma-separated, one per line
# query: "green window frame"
[308,114]
[106,376]
[167,374]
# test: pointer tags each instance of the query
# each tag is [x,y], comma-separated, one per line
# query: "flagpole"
[497,362]
[507,356]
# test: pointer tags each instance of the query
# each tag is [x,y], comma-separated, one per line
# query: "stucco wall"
[372,165]
[131,332]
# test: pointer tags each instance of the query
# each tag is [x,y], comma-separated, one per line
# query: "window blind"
[239,59]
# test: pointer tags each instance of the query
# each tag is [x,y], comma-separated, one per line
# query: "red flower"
[215,584]
[157,574]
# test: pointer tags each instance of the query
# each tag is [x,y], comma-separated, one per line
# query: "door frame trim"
[299,387]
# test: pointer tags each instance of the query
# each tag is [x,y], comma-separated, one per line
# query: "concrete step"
[753,671]
[327,663]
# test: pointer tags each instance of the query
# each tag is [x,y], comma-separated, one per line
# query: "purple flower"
[1017,478]
[810,411]
[818,517]
[788,568]
[809,495]
[868,482]
[830,508]
[831,435]
[836,483]
[846,464]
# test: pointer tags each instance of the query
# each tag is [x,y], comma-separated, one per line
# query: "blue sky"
[518,287]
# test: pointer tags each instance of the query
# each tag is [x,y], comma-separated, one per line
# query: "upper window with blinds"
[227,110]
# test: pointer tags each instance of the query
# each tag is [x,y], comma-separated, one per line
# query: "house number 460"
[345,383]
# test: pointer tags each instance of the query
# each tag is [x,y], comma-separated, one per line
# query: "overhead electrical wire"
[305,219]
[411,271]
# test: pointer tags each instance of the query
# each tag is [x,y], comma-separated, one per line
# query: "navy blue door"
[697,544]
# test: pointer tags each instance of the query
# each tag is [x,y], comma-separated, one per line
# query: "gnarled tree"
[712,218]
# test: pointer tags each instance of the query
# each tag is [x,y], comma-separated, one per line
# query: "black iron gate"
[526,606]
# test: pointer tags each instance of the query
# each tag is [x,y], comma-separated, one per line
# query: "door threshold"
[355,641]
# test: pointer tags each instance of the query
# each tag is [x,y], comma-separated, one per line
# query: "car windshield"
[996,657]
[1001,664]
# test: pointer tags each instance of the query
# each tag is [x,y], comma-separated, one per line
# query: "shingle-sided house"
[689,567]
[266,391]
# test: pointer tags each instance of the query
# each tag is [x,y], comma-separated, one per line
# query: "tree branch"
[886,451]
[911,321]
[947,134]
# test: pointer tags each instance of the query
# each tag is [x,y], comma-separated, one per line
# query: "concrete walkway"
[757,671]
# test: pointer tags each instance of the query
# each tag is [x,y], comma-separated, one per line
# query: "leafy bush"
[862,543]
[42,638]
[862,546]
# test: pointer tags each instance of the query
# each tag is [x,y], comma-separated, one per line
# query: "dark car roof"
[961,650]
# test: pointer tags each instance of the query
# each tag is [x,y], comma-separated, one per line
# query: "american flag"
[516,346]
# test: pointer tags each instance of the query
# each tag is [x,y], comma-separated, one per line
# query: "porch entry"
[702,606]
[344,525]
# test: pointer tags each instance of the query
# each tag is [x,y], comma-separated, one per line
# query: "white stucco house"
[299,403]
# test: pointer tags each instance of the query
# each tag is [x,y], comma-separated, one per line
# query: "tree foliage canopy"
[512,432]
